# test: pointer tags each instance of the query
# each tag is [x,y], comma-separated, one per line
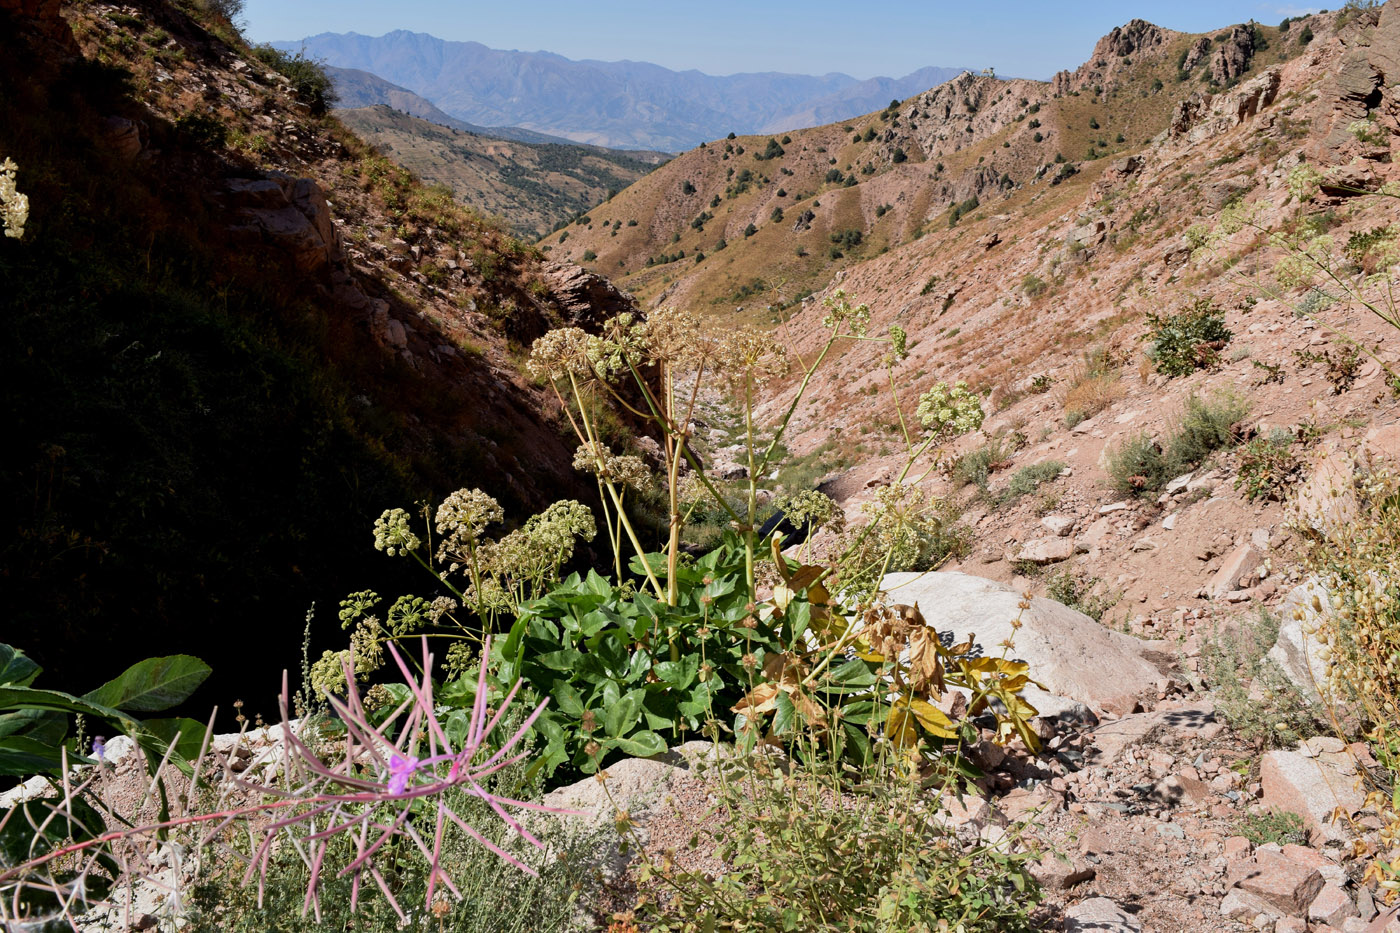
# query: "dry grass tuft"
[1091,392]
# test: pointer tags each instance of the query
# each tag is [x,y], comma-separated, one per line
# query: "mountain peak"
[618,104]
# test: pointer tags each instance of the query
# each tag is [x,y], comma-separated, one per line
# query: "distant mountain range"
[356,89]
[621,105]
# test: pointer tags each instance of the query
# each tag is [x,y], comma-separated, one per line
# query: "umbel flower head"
[623,469]
[950,410]
[14,207]
[393,533]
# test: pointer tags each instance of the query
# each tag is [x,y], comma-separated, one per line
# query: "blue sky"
[859,37]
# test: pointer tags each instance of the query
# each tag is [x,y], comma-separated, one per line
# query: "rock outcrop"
[1075,657]
[585,298]
[1232,56]
[1201,116]
[289,213]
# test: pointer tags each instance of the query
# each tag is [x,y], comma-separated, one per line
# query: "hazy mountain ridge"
[356,88]
[621,105]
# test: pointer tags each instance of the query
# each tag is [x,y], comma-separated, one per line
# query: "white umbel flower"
[14,207]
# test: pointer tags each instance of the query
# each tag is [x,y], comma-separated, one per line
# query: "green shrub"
[772,151]
[1029,478]
[205,129]
[589,255]
[1278,827]
[310,83]
[1187,341]
[1138,466]
[1267,468]
[801,863]
[1314,301]
[1033,285]
[1205,427]
[1076,589]
[976,466]
[1253,695]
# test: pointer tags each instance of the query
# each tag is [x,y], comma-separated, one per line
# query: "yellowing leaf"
[933,719]
[899,727]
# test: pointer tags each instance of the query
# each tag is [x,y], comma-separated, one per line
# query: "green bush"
[1138,466]
[204,129]
[1076,590]
[310,83]
[1029,478]
[976,466]
[1187,341]
[1267,468]
[1033,286]
[1253,695]
[589,255]
[1277,827]
[801,863]
[1205,427]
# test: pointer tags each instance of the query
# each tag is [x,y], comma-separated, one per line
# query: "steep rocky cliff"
[235,334]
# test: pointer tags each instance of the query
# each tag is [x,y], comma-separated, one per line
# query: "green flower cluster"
[947,411]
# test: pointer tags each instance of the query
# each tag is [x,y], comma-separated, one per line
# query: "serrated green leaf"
[567,700]
[785,715]
[563,660]
[16,667]
[854,673]
[621,716]
[679,674]
[152,685]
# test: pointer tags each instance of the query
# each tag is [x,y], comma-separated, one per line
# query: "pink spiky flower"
[370,791]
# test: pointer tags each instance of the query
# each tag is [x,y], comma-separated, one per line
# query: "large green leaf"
[44,725]
[642,744]
[679,674]
[19,698]
[21,756]
[191,735]
[16,667]
[152,685]
[621,716]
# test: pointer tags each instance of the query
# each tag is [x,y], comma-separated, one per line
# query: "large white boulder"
[1075,657]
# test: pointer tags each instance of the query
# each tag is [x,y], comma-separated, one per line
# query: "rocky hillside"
[759,220]
[1043,303]
[236,335]
[533,187]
